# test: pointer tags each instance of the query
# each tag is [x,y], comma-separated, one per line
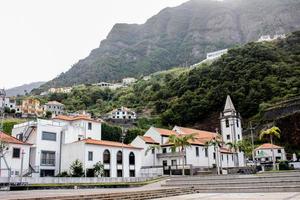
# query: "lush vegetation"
[255,75]
[9,123]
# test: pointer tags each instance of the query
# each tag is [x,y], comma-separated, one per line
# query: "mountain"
[20,90]
[181,36]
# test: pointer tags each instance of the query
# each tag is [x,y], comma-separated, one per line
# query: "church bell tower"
[230,119]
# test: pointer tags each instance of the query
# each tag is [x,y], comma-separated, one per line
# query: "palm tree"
[235,147]
[151,148]
[216,143]
[181,142]
[272,132]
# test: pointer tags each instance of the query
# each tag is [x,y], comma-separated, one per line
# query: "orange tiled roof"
[225,150]
[165,132]
[10,139]
[268,146]
[198,133]
[148,140]
[107,143]
[75,118]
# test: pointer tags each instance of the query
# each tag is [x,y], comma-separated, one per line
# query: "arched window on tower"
[119,157]
[227,122]
[237,123]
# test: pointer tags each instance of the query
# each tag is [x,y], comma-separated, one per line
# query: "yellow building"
[32,107]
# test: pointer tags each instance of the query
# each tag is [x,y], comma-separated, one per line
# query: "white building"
[196,157]
[263,153]
[122,113]
[15,155]
[268,38]
[58,142]
[231,127]
[54,107]
[2,100]
[128,81]
[112,86]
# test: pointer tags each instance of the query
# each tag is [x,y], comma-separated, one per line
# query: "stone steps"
[234,184]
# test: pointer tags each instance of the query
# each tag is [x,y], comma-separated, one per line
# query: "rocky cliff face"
[181,36]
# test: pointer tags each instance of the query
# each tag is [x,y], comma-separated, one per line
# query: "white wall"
[15,163]
[148,159]
[71,152]
[98,156]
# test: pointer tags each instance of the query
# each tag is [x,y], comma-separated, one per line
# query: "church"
[199,155]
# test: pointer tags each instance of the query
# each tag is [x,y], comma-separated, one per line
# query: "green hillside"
[180,36]
[255,75]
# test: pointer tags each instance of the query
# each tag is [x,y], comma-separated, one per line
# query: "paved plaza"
[236,196]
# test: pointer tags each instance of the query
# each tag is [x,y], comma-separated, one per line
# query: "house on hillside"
[122,113]
[31,107]
[15,154]
[128,81]
[2,100]
[56,108]
[263,153]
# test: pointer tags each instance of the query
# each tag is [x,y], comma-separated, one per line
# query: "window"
[279,150]
[153,151]
[206,152]
[16,152]
[48,158]
[227,122]
[237,123]
[106,157]
[48,136]
[119,157]
[164,150]
[17,173]
[197,151]
[222,157]
[228,137]
[132,173]
[174,162]
[165,162]
[119,173]
[239,137]
[214,155]
[90,156]
[131,158]
[89,126]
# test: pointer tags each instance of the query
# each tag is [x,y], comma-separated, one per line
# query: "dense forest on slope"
[180,36]
[255,75]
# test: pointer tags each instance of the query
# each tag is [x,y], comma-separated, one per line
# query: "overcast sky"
[39,39]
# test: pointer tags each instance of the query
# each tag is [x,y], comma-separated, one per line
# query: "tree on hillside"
[271,132]
[181,142]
